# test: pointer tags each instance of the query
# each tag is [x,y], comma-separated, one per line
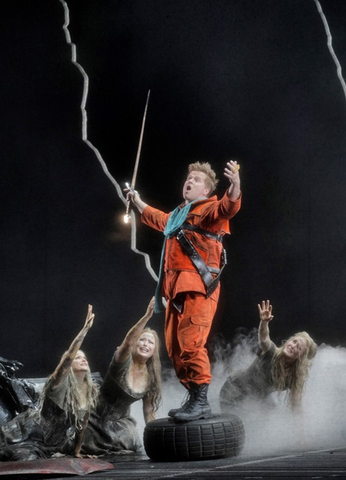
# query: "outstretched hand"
[265,311]
[89,318]
[150,309]
[232,172]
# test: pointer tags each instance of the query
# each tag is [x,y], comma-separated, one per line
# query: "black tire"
[217,437]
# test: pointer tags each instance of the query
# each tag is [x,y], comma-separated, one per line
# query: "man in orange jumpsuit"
[190,266]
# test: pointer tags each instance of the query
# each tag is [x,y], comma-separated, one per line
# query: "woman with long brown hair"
[279,369]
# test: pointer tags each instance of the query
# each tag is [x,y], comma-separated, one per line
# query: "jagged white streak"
[90,145]
[330,47]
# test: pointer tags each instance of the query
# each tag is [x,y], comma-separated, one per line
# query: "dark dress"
[41,433]
[111,429]
[256,381]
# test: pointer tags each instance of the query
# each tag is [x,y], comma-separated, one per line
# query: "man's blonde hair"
[211,181]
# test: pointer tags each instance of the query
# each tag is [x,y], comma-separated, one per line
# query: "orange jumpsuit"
[186,332]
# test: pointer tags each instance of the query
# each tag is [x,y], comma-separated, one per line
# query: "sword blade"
[134,176]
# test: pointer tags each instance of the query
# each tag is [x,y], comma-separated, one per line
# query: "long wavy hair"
[73,397]
[294,376]
[154,369]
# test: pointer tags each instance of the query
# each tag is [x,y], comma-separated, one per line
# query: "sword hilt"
[127,216]
[130,189]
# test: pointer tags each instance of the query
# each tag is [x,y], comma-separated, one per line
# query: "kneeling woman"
[275,369]
[59,424]
[133,374]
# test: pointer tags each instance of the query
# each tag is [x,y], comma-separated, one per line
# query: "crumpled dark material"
[16,395]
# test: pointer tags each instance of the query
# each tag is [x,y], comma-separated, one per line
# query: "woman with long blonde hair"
[134,374]
[279,369]
[58,425]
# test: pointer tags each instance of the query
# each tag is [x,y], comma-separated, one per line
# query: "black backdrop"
[252,80]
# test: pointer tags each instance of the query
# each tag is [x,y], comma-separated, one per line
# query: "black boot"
[197,407]
[187,400]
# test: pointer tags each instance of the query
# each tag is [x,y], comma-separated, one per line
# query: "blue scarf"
[175,221]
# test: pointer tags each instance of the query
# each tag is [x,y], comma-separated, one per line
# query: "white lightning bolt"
[330,46]
[90,145]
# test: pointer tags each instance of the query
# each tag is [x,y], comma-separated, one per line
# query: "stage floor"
[319,464]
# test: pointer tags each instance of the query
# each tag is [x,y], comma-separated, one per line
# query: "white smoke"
[270,426]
